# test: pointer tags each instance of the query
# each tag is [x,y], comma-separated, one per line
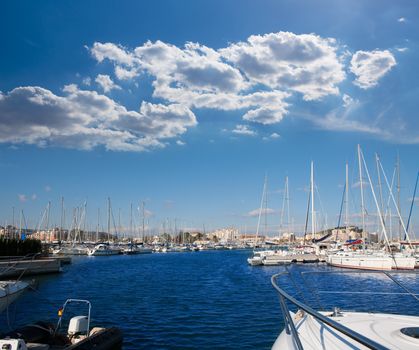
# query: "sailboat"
[372,259]
[258,256]
[105,249]
[76,248]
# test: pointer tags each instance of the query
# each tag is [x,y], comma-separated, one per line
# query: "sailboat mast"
[130,221]
[398,194]
[260,210]
[61,219]
[266,212]
[288,205]
[380,215]
[346,197]
[313,223]
[362,191]
[109,219]
[97,226]
[143,212]
[20,224]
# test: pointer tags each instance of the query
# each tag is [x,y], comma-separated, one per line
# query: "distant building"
[225,234]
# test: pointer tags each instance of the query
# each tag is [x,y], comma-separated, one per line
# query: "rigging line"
[411,204]
[388,199]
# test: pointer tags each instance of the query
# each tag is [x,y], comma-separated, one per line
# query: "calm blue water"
[200,300]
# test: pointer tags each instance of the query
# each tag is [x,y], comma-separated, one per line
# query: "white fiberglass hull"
[255,261]
[10,291]
[71,251]
[102,250]
[403,263]
[363,262]
[384,329]
[104,253]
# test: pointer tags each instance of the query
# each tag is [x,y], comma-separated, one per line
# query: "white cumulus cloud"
[258,74]
[106,83]
[370,66]
[85,119]
[243,130]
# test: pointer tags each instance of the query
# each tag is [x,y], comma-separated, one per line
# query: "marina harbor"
[209,175]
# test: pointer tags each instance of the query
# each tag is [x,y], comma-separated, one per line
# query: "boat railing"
[407,291]
[290,328]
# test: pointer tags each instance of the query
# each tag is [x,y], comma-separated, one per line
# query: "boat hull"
[384,329]
[361,262]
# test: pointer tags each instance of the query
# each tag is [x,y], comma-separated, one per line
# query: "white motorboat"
[133,249]
[340,330]
[72,250]
[10,291]
[104,250]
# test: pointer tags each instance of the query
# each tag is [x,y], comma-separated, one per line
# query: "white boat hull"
[10,291]
[362,262]
[384,329]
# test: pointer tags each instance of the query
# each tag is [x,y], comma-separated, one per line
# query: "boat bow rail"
[290,327]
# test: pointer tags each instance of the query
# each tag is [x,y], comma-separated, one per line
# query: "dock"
[30,267]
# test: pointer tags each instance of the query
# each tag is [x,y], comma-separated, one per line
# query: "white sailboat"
[105,249]
[258,256]
[367,259]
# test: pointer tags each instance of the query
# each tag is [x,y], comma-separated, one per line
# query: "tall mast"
[375,198]
[266,211]
[394,202]
[20,224]
[143,215]
[398,193]
[362,191]
[47,226]
[130,221]
[61,219]
[13,223]
[260,210]
[313,223]
[346,198]
[379,182]
[109,219]
[119,223]
[288,205]
[97,226]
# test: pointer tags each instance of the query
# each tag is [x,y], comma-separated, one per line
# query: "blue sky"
[187,104]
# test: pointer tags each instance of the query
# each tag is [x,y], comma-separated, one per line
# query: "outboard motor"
[78,328]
